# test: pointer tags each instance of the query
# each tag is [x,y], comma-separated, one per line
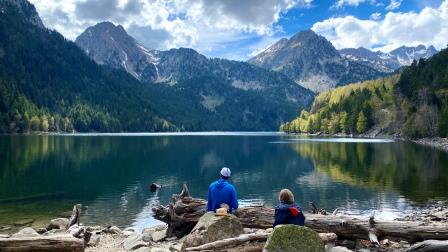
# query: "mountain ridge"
[208,85]
[388,62]
[312,61]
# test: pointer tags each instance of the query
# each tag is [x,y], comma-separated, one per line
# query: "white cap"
[225,172]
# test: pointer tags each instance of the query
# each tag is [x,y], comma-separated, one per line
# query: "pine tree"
[361,123]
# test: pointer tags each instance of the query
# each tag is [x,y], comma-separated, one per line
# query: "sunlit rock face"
[313,62]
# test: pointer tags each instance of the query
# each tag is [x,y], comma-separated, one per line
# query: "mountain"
[48,83]
[382,62]
[24,9]
[411,104]
[194,91]
[388,62]
[313,62]
[405,55]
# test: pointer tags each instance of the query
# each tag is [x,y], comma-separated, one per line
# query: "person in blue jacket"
[287,212]
[222,192]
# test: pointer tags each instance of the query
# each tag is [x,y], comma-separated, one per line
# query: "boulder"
[112,230]
[293,238]
[158,236]
[94,241]
[148,232]
[41,230]
[211,227]
[134,242]
[58,223]
[26,233]
[127,233]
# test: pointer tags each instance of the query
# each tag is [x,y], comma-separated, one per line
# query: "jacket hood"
[285,207]
[221,183]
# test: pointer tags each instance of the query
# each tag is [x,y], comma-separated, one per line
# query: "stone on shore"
[94,241]
[134,242]
[211,227]
[58,223]
[26,233]
[158,236]
[112,230]
[147,233]
[293,238]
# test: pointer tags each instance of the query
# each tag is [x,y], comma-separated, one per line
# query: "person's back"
[287,212]
[222,192]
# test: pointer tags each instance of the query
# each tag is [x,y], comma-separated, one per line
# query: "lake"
[42,176]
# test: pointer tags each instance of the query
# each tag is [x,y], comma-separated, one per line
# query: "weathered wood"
[64,243]
[74,219]
[351,227]
[231,242]
[328,237]
[183,213]
[429,245]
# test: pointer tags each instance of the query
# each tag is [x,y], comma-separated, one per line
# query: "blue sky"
[237,29]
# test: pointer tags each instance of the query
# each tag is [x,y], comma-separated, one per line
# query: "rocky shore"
[436,142]
[215,233]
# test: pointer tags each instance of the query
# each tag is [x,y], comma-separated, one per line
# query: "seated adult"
[287,212]
[222,193]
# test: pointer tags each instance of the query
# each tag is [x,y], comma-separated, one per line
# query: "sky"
[239,29]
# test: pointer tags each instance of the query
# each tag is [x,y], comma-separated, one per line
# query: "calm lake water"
[43,176]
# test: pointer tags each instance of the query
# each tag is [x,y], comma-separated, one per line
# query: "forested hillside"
[412,104]
[195,92]
[48,84]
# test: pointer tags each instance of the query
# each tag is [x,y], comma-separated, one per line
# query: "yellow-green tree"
[35,123]
[343,122]
[333,125]
[44,125]
[361,124]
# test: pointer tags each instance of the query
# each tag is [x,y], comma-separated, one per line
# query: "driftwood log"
[230,242]
[184,211]
[429,245]
[74,218]
[43,243]
[259,236]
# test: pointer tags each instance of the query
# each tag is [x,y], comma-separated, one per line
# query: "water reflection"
[42,176]
[416,172]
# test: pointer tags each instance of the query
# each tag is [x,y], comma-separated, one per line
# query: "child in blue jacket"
[287,212]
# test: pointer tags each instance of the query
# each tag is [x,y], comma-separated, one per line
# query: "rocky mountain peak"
[406,54]
[24,8]
[311,61]
[109,44]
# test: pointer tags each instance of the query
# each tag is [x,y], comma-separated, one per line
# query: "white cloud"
[375,16]
[394,4]
[429,26]
[204,25]
[355,3]
[341,3]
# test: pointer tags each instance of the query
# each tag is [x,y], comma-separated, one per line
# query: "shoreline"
[434,142]
[154,238]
